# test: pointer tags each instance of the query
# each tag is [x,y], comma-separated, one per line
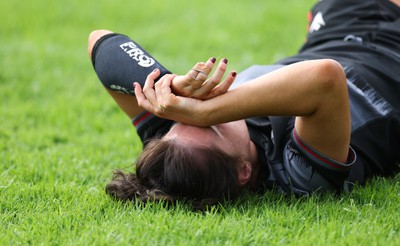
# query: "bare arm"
[314,91]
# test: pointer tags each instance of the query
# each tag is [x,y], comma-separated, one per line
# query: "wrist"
[222,109]
[206,113]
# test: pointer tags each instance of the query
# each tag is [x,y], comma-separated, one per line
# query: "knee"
[93,37]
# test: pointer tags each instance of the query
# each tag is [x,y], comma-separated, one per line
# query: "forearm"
[314,91]
[294,90]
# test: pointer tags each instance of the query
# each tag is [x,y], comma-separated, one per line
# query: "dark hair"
[168,171]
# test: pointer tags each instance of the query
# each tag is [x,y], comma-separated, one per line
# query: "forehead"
[231,138]
[193,135]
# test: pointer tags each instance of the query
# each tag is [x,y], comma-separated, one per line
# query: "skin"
[231,137]
[202,87]
[397,2]
[313,91]
[318,98]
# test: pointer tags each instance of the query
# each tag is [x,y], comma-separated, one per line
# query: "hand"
[159,100]
[197,84]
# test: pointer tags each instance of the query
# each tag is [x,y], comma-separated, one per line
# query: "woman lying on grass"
[319,121]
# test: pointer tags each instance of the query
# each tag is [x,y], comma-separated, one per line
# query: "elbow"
[332,87]
[331,76]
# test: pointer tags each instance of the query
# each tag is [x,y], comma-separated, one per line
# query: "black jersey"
[364,36]
[375,21]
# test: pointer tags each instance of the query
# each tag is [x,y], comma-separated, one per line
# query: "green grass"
[61,135]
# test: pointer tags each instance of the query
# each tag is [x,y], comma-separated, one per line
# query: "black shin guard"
[119,61]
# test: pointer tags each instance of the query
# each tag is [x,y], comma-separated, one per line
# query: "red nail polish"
[225,61]
[234,74]
[213,60]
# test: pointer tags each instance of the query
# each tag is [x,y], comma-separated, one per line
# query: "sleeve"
[311,171]
[149,126]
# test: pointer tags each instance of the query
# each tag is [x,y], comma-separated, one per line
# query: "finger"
[204,68]
[209,65]
[199,73]
[149,83]
[214,80]
[157,86]
[157,89]
[148,88]
[195,76]
[166,91]
[141,98]
[166,87]
[224,86]
[163,90]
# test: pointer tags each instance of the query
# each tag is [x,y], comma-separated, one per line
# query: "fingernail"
[234,74]
[213,59]
[155,70]
[225,61]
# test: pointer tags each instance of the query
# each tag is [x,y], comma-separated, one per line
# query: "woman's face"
[232,137]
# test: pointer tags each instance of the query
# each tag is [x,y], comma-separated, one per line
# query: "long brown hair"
[168,171]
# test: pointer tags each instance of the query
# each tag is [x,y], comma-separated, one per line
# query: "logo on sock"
[137,54]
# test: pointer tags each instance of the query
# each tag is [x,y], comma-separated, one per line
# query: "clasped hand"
[179,97]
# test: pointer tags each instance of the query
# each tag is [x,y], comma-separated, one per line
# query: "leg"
[118,62]
[127,103]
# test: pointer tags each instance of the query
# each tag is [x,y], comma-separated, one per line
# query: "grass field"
[61,135]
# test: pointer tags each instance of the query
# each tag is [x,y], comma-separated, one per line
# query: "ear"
[244,172]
